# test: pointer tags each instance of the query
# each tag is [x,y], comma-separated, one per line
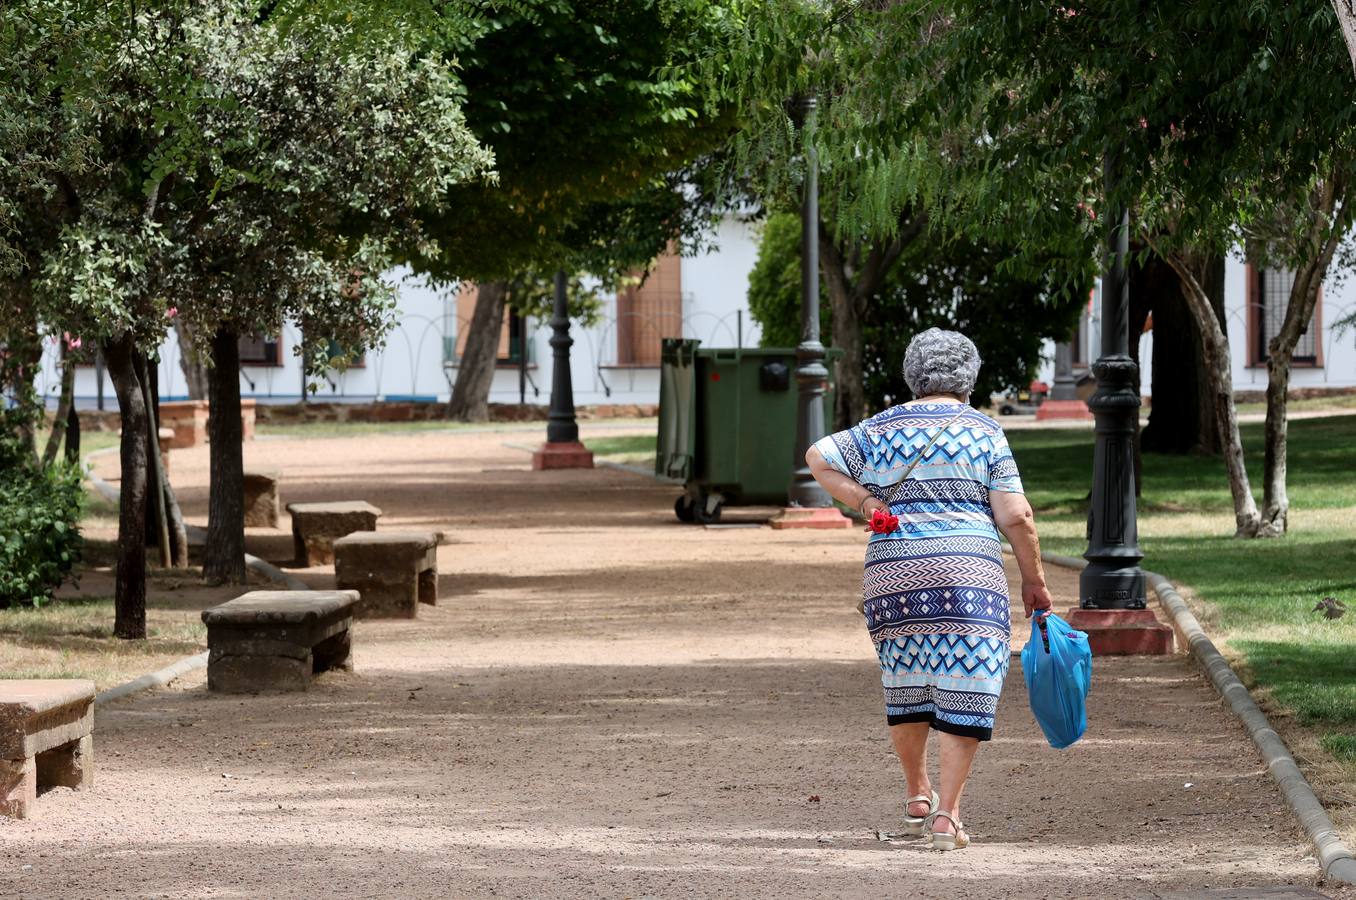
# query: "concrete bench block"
[187,419]
[394,571]
[316,526]
[277,640]
[46,740]
[261,498]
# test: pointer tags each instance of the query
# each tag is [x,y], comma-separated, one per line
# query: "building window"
[261,350]
[1269,294]
[649,312]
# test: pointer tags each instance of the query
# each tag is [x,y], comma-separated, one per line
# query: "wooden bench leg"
[70,765]
[18,787]
[428,586]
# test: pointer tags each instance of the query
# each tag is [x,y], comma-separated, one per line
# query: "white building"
[1254,306]
[616,360]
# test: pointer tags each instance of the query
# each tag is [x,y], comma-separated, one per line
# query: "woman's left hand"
[1034,597]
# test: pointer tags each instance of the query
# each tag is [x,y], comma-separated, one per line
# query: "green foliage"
[774,284]
[239,165]
[591,133]
[957,285]
[39,525]
[534,294]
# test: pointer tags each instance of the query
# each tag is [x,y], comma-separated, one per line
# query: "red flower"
[883,523]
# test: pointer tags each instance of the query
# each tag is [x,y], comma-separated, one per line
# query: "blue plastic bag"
[1057,663]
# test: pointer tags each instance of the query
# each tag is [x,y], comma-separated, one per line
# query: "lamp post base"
[809,517]
[562,455]
[1063,409]
[1123,632]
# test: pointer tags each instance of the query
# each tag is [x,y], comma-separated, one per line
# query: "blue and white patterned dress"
[936,596]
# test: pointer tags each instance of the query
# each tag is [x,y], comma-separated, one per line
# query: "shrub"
[39,526]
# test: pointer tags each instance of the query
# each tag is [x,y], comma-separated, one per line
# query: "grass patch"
[73,638]
[91,441]
[1341,401]
[1260,593]
[635,449]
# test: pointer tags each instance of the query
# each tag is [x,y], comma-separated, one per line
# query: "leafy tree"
[590,133]
[1213,119]
[895,173]
[224,159]
[956,285]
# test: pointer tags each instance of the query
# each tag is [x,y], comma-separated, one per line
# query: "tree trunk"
[178,532]
[130,591]
[1219,383]
[190,361]
[62,418]
[1173,414]
[475,370]
[1275,500]
[224,555]
[849,404]
[1208,440]
[1280,353]
[1346,15]
[156,491]
[1324,234]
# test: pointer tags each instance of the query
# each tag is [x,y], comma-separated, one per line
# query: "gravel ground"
[609,704]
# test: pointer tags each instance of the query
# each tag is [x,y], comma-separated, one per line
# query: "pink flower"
[1068,13]
[72,343]
[1143,122]
[171,312]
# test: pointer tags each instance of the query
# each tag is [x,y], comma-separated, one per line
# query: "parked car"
[1022,403]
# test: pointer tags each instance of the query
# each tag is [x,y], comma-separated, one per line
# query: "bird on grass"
[1331,607]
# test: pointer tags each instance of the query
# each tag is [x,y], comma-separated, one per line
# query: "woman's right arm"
[1012,514]
[840,487]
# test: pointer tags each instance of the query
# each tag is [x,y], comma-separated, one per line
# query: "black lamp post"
[562,449]
[561,427]
[1113,579]
[811,375]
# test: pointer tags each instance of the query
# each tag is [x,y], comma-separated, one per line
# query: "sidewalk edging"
[159,678]
[1335,859]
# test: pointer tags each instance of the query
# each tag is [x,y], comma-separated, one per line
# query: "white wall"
[1339,348]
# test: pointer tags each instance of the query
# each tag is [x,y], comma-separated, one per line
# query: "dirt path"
[609,704]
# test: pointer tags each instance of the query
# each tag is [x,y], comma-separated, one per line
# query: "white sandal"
[946,840]
[916,826]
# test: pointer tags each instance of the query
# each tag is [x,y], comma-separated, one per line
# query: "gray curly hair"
[941,362]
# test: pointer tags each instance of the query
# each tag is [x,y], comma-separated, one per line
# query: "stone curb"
[1335,859]
[153,680]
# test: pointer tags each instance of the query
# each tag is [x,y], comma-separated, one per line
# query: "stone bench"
[187,419]
[277,640]
[261,498]
[316,526]
[45,740]
[394,571]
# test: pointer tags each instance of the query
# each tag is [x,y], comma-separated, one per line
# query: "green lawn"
[634,449]
[1258,594]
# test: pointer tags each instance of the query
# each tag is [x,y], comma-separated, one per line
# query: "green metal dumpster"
[727,424]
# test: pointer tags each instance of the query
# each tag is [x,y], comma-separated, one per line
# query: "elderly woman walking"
[935,594]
